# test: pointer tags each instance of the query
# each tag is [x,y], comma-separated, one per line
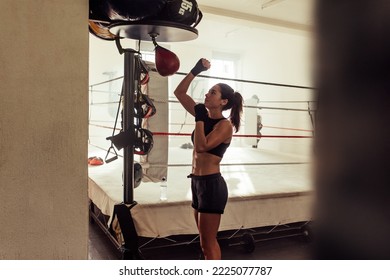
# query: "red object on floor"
[95,161]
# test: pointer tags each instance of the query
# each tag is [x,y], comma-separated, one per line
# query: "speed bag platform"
[146,30]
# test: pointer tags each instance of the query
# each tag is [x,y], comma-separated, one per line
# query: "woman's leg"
[196,216]
[208,225]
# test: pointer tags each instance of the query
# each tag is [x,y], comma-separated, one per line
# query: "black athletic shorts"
[209,193]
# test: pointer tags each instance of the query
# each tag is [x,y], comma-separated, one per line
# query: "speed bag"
[181,11]
[133,10]
[167,62]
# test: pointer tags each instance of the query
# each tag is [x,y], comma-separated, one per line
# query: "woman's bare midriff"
[205,163]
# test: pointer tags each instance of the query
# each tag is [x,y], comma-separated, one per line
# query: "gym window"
[224,65]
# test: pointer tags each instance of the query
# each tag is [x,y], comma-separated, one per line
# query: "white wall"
[265,54]
[43,129]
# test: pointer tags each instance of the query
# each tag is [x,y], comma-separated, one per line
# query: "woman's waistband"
[204,177]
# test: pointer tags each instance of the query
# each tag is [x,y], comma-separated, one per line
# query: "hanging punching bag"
[99,21]
[167,62]
[100,30]
[98,10]
[181,11]
[132,10]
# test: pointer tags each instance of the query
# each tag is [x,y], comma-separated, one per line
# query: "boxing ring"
[277,189]
[267,166]
[270,188]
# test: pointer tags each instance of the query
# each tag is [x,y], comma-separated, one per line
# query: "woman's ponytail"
[236,111]
[235,103]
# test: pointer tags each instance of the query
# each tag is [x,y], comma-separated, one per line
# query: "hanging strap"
[108,160]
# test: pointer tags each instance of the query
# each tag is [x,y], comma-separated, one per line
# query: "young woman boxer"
[211,137]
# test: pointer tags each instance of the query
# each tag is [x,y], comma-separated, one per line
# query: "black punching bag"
[181,11]
[101,30]
[99,21]
[98,11]
[132,10]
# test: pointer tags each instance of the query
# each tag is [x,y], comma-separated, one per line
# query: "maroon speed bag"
[167,62]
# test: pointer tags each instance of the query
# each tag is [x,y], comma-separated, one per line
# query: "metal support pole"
[129,81]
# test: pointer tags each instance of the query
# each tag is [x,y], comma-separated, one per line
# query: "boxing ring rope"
[287,128]
[222,164]
[234,135]
[250,81]
[309,109]
[222,79]
[245,106]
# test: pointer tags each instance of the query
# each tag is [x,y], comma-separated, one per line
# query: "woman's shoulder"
[224,124]
[225,121]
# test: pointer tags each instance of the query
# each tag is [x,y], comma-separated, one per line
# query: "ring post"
[128,125]
[130,248]
[169,32]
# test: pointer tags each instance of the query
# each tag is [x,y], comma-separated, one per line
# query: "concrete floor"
[289,248]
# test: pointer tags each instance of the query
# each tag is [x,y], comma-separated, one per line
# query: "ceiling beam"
[270,3]
[255,18]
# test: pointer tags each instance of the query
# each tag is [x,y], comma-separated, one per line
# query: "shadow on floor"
[289,248]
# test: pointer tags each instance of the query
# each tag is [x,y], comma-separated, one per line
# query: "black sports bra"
[208,127]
